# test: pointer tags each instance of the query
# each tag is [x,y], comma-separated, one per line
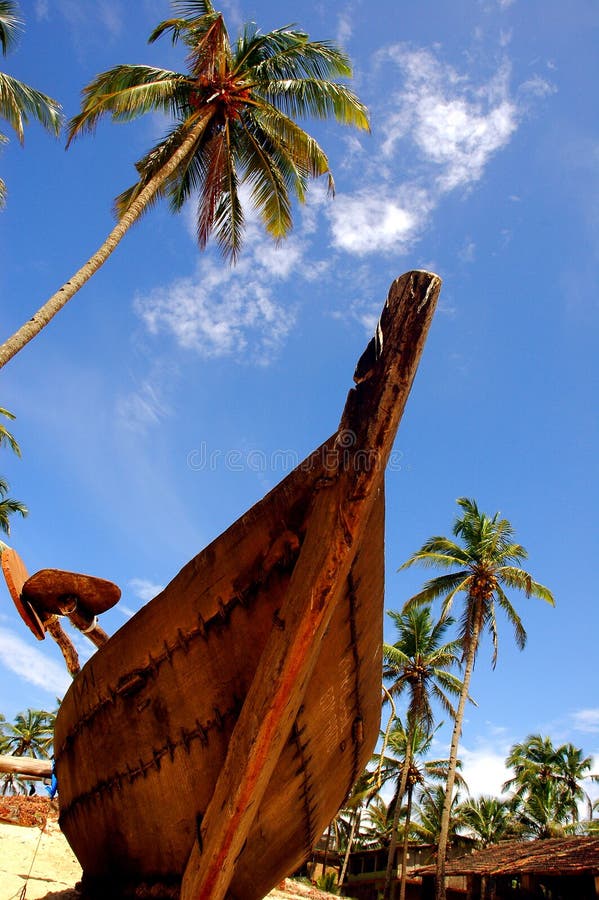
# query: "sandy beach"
[34,853]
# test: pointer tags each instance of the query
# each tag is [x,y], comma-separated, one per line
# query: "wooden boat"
[204,748]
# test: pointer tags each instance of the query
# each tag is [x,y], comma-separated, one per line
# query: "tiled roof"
[555,856]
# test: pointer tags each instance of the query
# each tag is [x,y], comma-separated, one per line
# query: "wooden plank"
[336,525]
[23,765]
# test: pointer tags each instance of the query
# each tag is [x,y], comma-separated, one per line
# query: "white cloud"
[586,720]
[456,126]
[370,221]
[483,767]
[219,313]
[144,589]
[41,10]
[32,665]
[344,29]
[362,222]
[439,130]
[141,408]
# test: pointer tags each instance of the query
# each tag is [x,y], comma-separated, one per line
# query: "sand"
[40,859]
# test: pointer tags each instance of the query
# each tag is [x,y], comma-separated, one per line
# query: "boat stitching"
[306,789]
[133,681]
[358,723]
[201,732]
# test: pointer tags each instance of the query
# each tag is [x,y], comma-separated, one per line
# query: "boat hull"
[144,730]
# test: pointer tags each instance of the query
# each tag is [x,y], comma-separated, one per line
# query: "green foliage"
[418,663]
[242,99]
[547,785]
[486,561]
[488,819]
[18,101]
[8,506]
[31,734]
[328,882]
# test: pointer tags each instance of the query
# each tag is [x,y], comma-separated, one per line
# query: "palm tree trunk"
[440,893]
[354,827]
[404,852]
[45,313]
[389,885]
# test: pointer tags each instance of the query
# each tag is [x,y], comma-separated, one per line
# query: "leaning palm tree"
[18,101]
[234,113]
[483,564]
[418,662]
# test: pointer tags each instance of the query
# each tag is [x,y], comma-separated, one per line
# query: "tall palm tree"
[18,101]
[234,114]
[418,662]
[483,564]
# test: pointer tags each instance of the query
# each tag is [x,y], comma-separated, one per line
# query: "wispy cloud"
[447,126]
[142,407]
[229,311]
[31,664]
[436,134]
[586,720]
[144,589]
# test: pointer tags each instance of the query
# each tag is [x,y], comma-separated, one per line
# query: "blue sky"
[157,407]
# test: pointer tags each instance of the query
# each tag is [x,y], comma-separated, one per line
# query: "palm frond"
[219,208]
[317,98]
[10,25]
[288,54]
[193,9]
[125,93]
[19,103]
[514,618]
[290,140]
[5,436]
[517,578]
[446,586]
[263,172]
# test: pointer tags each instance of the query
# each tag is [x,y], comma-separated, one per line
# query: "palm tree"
[18,101]
[489,819]
[544,812]
[417,662]
[8,506]
[31,734]
[486,561]
[234,114]
[429,822]
[536,762]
